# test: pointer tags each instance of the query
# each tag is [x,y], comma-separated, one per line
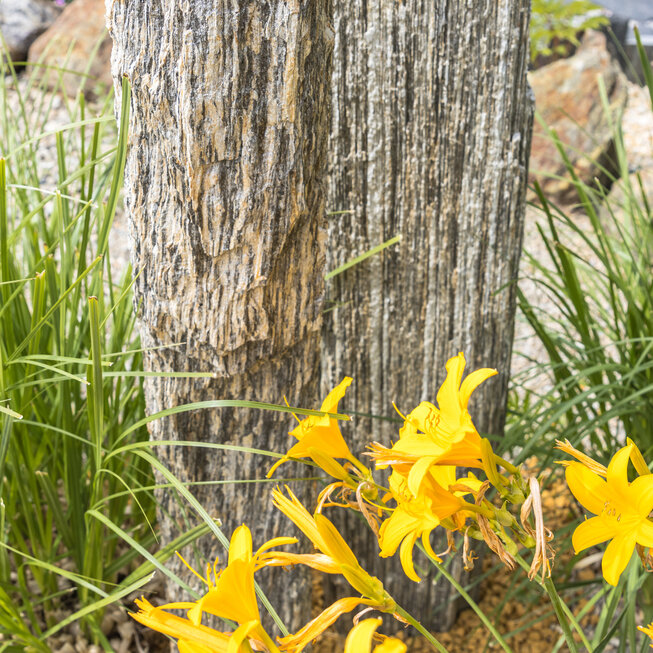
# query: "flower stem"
[560,614]
[418,626]
[563,613]
[509,467]
[481,510]
[473,605]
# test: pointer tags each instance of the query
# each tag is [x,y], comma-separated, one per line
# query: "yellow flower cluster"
[424,491]
[231,594]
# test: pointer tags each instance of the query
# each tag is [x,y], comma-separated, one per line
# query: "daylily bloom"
[417,516]
[621,508]
[193,637]
[409,521]
[451,422]
[320,433]
[231,595]
[437,436]
[647,631]
[360,636]
[335,557]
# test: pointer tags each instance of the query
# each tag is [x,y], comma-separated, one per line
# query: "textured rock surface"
[568,100]
[21,21]
[77,41]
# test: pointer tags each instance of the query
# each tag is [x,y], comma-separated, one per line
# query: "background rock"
[21,21]
[567,99]
[78,37]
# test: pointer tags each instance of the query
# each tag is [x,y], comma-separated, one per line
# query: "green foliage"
[600,348]
[70,388]
[600,368]
[554,22]
[64,394]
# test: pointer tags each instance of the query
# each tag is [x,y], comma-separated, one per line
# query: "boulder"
[77,41]
[568,101]
[21,22]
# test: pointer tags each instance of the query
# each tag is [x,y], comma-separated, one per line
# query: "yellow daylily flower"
[451,422]
[335,557]
[648,630]
[320,433]
[359,639]
[621,510]
[193,638]
[433,436]
[326,539]
[231,594]
[409,521]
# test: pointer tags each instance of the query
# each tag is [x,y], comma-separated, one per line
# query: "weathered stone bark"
[224,189]
[430,139]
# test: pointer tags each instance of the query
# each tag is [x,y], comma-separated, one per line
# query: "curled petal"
[472,381]
[360,637]
[406,557]
[330,404]
[317,626]
[645,534]
[642,490]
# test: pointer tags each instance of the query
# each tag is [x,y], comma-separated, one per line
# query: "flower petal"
[335,545]
[406,557]
[295,511]
[617,556]
[587,487]
[233,596]
[592,532]
[391,645]
[178,627]
[330,404]
[448,394]
[641,489]
[418,472]
[472,381]
[645,534]
[185,646]
[319,561]
[393,530]
[240,635]
[617,476]
[317,626]
[240,547]
[359,639]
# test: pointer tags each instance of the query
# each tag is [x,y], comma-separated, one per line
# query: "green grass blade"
[362,257]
